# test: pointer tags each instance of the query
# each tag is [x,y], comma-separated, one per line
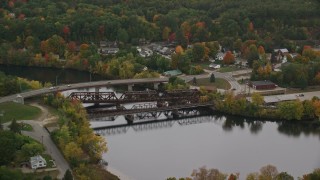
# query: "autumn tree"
[179,50]
[66,32]
[165,33]
[268,172]
[204,173]
[261,50]
[228,58]
[316,105]
[290,110]
[257,99]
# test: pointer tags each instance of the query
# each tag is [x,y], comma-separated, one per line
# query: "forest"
[66,34]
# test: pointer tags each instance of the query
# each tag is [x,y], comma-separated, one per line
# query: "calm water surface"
[230,145]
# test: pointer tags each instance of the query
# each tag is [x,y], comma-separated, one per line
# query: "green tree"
[9,145]
[290,110]
[123,36]
[15,127]
[212,78]
[252,54]
[198,52]
[68,175]
[32,149]
[8,174]
[284,176]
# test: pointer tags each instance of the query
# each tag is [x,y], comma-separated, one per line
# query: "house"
[259,85]
[280,55]
[107,47]
[220,56]
[37,162]
[215,66]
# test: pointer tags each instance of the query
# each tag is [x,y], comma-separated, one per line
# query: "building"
[273,100]
[37,162]
[108,47]
[220,56]
[262,85]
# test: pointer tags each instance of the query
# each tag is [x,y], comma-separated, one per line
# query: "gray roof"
[279,98]
[259,83]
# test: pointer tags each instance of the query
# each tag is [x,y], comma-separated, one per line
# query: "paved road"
[39,133]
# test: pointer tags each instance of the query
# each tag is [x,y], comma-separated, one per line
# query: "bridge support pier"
[130,87]
[156,86]
[96,90]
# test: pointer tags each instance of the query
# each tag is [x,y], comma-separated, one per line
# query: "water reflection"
[227,123]
[296,128]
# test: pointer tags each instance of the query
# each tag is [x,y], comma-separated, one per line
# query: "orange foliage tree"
[228,58]
[261,50]
[179,50]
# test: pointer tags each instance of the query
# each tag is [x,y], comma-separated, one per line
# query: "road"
[40,133]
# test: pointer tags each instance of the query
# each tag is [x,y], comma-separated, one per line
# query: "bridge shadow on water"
[227,123]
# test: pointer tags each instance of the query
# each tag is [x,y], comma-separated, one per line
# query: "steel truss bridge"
[177,103]
[173,97]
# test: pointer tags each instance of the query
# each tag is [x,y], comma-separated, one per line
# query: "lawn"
[17,111]
[219,83]
[228,69]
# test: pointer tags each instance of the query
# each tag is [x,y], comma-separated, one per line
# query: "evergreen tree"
[212,78]
[68,175]
[15,127]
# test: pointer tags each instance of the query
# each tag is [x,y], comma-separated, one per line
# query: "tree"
[123,36]
[284,176]
[252,54]
[212,78]
[179,50]
[316,105]
[290,110]
[261,50]
[228,58]
[32,149]
[15,127]
[204,173]
[198,52]
[194,80]
[257,99]
[68,175]
[268,172]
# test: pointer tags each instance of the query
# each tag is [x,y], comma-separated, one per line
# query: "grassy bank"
[219,83]
[18,111]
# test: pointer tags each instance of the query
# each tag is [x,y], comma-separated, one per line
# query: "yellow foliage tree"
[73,151]
[179,50]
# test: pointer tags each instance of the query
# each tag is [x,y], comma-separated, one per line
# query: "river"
[174,148]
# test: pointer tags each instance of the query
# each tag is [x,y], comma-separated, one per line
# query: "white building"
[37,162]
[220,56]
